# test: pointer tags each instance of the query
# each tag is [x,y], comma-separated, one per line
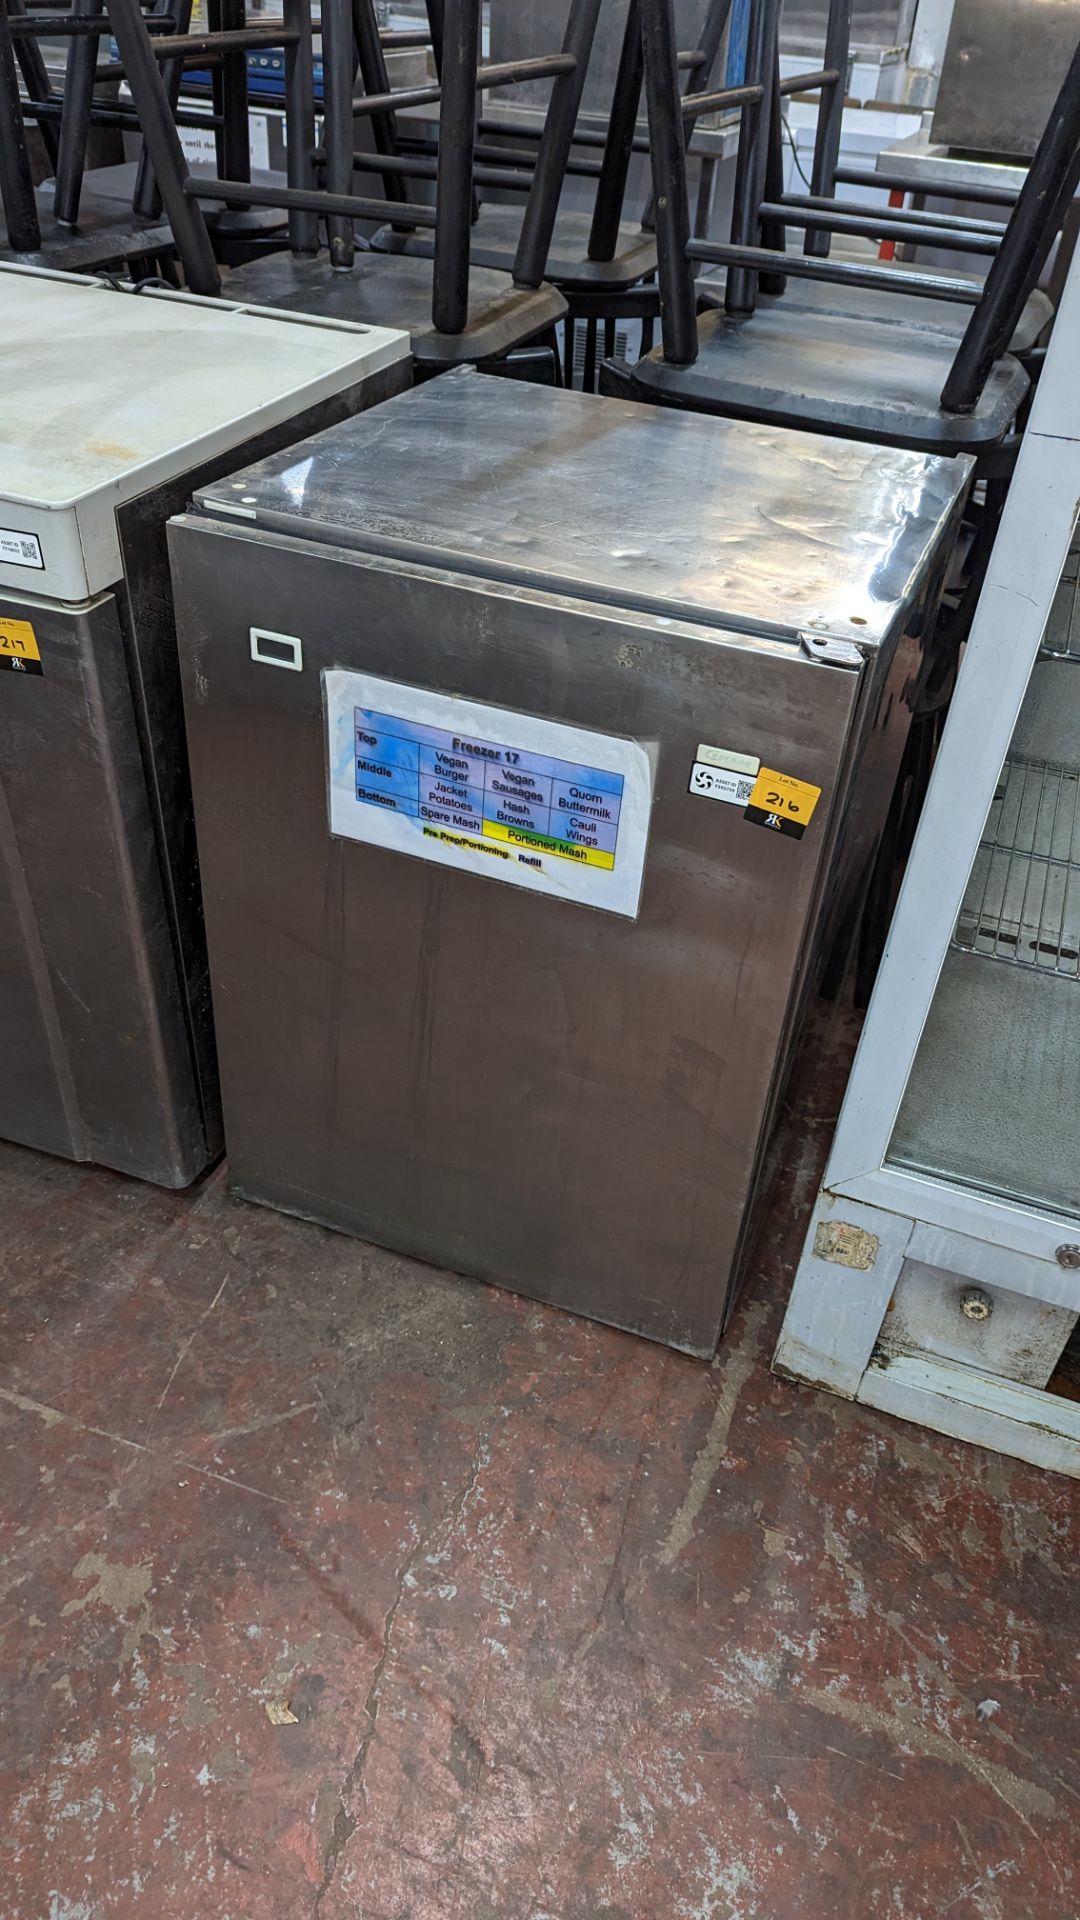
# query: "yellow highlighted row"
[540,843]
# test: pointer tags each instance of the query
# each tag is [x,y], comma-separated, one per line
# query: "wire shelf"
[1061,641]
[1023,899]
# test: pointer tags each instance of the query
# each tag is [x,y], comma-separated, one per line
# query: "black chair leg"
[678,316]
[750,167]
[163,145]
[830,117]
[79,73]
[338,138]
[300,123]
[542,206]
[16,180]
[588,380]
[1041,206]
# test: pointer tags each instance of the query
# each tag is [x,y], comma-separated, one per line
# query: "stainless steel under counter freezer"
[113,406]
[538,742]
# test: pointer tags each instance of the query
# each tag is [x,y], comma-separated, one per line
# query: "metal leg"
[36,81]
[619,145]
[338,134]
[678,315]
[163,145]
[16,180]
[300,123]
[610,339]
[146,200]
[830,116]
[741,292]
[588,376]
[709,42]
[453,209]
[236,141]
[376,80]
[82,55]
[706,194]
[1042,204]
[773,233]
[542,206]
[436,13]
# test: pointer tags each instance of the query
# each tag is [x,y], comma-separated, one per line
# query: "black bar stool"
[65,223]
[112,216]
[825,369]
[594,257]
[455,315]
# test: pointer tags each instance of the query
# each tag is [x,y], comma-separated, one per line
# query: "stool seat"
[108,229]
[495,236]
[833,373]
[904,309]
[384,290]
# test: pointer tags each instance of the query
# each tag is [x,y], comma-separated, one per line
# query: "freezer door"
[95,1053]
[563,1100]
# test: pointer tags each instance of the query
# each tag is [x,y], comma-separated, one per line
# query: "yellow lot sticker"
[19,650]
[542,843]
[781,794]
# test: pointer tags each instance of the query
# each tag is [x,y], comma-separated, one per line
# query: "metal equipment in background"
[538,752]
[1003,65]
[115,406]
[940,1279]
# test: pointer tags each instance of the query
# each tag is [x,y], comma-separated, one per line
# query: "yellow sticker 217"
[19,650]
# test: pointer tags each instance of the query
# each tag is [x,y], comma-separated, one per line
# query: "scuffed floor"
[558,1625]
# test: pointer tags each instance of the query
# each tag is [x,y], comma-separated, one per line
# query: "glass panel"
[994,1097]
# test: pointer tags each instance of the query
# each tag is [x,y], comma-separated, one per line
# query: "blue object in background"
[738,25]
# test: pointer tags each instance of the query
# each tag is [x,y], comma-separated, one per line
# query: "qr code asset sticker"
[20,549]
[720,783]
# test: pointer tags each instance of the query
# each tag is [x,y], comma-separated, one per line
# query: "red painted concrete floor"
[561,1626]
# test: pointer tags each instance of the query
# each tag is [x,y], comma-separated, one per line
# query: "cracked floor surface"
[335,1586]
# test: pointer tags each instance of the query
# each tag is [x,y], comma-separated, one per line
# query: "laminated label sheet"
[552,808]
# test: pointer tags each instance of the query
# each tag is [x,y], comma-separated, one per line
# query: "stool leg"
[79,73]
[300,123]
[588,381]
[774,233]
[678,316]
[16,180]
[741,291]
[830,117]
[454,187]
[338,138]
[151,103]
[542,206]
[146,201]
[376,79]
[1041,206]
[619,144]
[36,81]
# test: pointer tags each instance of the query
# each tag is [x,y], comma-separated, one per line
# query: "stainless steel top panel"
[1004,63]
[730,523]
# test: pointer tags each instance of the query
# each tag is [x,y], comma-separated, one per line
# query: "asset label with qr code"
[20,549]
[721,783]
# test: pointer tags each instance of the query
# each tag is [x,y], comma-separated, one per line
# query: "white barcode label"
[716,783]
[20,549]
